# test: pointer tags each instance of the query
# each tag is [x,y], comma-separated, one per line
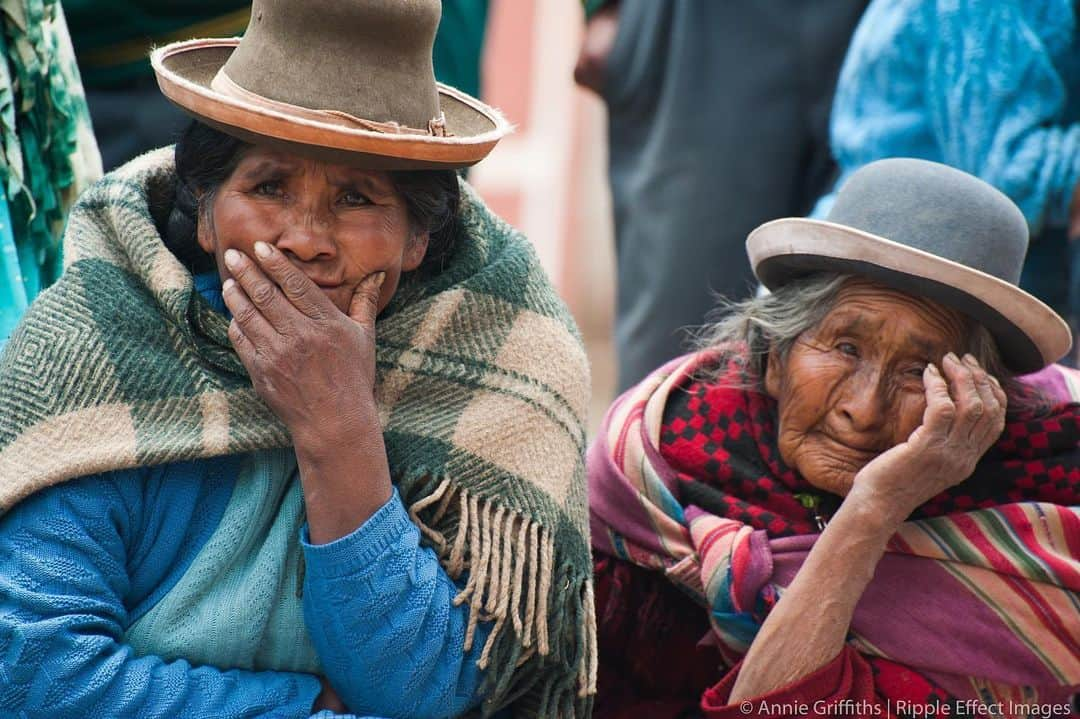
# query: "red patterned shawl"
[686,478]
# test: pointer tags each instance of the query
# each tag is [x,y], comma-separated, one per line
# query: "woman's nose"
[308,237]
[863,401]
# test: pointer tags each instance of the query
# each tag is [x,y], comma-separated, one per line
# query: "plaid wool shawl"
[482,388]
[686,479]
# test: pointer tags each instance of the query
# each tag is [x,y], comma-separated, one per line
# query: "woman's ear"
[774,374]
[203,234]
[415,252]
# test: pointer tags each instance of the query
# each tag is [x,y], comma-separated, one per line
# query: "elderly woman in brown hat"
[301,426]
[848,501]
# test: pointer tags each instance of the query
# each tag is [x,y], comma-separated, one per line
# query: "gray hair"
[748,331]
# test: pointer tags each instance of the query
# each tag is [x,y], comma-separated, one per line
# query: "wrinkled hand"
[313,365]
[964,416]
[600,31]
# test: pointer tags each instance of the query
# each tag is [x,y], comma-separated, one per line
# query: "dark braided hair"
[205,158]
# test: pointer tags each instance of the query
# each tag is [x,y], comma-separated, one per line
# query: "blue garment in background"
[21,273]
[987,86]
[13,299]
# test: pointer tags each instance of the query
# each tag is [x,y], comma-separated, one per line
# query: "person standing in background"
[47,150]
[717,121]
[112,39]
[989,87]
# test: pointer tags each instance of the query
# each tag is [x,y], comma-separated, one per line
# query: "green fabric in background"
[47,149]
[459,44]
[591,6]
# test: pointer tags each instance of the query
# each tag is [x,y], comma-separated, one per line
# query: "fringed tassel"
[442,496]
[530,596]
[590,667]
[516,610]
[479,536]
[457,556]
[547,560]
[514,584]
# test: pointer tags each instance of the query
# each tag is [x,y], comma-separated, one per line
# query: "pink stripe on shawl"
[934,623]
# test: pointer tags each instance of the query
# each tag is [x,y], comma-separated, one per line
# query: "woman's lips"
[327,283]
[868,450]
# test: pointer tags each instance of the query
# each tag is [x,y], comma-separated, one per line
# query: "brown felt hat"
[929,230]
[347,81]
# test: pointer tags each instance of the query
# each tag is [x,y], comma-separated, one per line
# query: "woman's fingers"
[261,291]
[980,404]
[244,349]
[365,300]
[994,400]
[969,405]
[999,391]
[301,292]
[940,410]
[246,316]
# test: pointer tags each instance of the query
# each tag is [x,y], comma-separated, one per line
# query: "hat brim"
[185,70]
[1030,335]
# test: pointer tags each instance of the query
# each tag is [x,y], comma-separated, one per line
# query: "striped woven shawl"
[482,388]
[983,603]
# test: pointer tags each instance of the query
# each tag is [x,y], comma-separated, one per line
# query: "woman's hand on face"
[964,416]
[313,365]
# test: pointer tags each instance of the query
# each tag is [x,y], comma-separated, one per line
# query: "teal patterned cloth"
[246,577]
[47,150]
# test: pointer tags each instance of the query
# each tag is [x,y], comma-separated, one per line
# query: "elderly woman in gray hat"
[849,492]
[301,426]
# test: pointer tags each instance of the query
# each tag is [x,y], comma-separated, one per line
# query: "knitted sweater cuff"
[388,527]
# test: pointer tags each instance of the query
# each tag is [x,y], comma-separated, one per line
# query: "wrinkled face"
[338,224]
[852,387]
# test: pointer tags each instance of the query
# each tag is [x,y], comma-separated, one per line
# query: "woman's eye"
[917,371]
[848,349]
[354,198]
[270,188]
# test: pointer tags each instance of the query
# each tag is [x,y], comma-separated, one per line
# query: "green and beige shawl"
[482,390]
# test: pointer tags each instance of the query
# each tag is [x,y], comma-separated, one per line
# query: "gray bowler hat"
[929,230]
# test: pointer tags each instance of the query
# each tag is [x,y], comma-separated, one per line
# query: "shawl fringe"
[510,560]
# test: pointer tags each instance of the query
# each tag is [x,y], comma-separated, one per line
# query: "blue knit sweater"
[81,561]
[991,87]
